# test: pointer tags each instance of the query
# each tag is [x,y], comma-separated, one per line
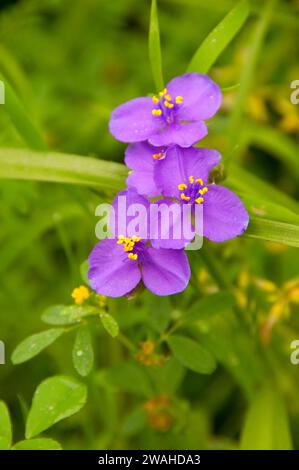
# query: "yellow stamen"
[168,97]
[182,186]
[191,179]
[184,197]
[168,105]
[199,200]
[158,156]
[156,112]
[200,181]
[179,99]
[80,294]
[155,99]
[133,256]
[163,92]
[128,245]
[203,191]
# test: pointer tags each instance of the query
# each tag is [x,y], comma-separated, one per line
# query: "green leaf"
[191,355]
[215,43]
[243,181]
[83,352]
[67,314]
[275,143]
[84,267]
[273,231]
[110,324]
[209,304]
[56,398]
[37,444]
[247,77]
[155,47]
[61,168]
[259,208]
[34,344]
[5,427]
[266,425]
[21,121]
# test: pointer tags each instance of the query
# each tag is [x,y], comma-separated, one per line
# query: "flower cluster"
[161,132]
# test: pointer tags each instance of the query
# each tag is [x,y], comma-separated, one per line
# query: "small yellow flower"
[80,294]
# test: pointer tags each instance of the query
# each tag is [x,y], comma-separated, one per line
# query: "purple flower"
[184,176]
[142,158]
[175,116]
[117,265]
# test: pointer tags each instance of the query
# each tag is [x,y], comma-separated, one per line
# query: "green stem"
[125,341]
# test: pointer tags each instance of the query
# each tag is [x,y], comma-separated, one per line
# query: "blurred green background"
[71,62]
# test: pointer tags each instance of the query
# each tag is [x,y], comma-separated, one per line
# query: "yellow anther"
[80,294]
[156,112]
[155,99]
[163,92]
[191,179]
[184,197]
[135,238]
[168,97]
[168,105]
[133,256]
[200,181]
[158,156]
[203,191]
[182,186]
[179,99]
[199,200]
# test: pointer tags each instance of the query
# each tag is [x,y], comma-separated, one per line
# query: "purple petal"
[180,164]
[171,225]
[201,96]
[181,134]
[111,272]
[139,158]
[166,272]
[133,121]
[224,215]
[129,214]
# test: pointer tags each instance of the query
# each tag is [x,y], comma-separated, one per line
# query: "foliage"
[209,368]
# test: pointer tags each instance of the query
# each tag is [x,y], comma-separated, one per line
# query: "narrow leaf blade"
[273,231]
[272,431]
[155,47]
[215,43]
[61,168]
